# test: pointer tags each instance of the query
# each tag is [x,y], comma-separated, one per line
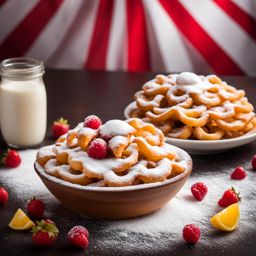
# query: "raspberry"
[238,174]
[92,122]
[229,197]
[3,196]
[98,149]
[79,236]
[254,162]
[35,208]
[191,233]
[199,190]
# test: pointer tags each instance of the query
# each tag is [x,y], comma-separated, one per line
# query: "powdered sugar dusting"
[45,151]
[117,141]
[116,127]
[87,131]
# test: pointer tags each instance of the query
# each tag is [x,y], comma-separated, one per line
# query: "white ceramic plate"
[203,147]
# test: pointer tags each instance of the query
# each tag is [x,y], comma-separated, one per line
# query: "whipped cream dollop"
[192,83]
[188,78]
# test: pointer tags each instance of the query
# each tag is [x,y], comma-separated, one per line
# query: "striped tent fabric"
[203,36]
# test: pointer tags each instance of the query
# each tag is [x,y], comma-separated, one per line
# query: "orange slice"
[227,219]
[21,221]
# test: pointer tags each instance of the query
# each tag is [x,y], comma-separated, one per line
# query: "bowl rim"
[41,173]
[250,134]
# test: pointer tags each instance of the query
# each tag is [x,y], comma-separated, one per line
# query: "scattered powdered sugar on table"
[161,229]
[168,222]
[184,209]
[23,181]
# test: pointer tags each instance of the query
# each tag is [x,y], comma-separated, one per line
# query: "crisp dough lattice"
[188,106]
[137,154]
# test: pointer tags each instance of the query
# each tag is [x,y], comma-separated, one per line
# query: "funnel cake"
[188,106]
[136,154]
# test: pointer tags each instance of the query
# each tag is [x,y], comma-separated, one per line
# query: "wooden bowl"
[116,202]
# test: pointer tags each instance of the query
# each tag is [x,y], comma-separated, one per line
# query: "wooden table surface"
[76,94]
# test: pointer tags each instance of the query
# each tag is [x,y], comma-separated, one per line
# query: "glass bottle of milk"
[23,103]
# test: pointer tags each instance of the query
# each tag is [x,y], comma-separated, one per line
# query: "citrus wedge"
[227,219]
[21,221]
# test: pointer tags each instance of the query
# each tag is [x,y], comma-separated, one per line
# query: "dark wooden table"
[74,95]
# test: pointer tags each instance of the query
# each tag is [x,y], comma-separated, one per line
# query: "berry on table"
[35,208]
[60,127]
[45,233]
[3,196]
[191,233]
[199,190]
[98,149]
[11,158]
[254,162]
[229,197]
[92,122]
[238,174]
[79,236]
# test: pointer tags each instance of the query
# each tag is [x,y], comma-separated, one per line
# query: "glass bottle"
[23,102]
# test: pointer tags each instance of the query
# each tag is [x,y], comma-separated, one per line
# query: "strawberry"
[191,233]
[92,122]
[254,162]
[35,208]
[3,196]
[11,158]
[98,149]
[79,236]
[229,197]
[199,190]
[45,233]
[238,174]
[60,127]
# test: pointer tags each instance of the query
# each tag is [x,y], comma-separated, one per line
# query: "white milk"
[23,112]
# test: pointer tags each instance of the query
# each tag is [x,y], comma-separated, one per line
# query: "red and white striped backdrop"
[136,35]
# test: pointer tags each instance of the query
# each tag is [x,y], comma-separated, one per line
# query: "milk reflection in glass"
[23,109]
